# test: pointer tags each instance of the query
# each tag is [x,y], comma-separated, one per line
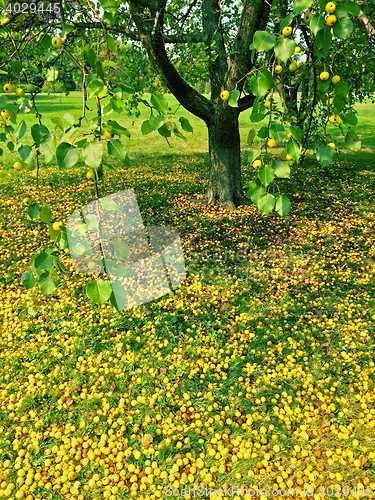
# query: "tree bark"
[224,183]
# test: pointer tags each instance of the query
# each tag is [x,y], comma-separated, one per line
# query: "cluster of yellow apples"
[324,75]
[8,89]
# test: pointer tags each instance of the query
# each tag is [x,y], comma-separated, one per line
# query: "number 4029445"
[33,8]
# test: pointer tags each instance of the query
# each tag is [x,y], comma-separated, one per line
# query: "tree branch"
[175,39]
[153,42]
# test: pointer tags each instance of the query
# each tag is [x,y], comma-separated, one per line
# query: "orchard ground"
[263,378]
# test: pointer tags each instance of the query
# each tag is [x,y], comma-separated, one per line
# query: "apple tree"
[245,50]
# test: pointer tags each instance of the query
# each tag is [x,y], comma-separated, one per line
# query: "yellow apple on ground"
[332,145]
[108,135]
[91,265]
[308,16]
[324,75]
[272,143]
[257,163]
[333,118]
[27,201]
[90,175]
[336,79]
[278,68]
[287,30]
[330,21]
[267,104]
[8,88]
[18,165]
[57,42]
[330,7]
[56,226]
[5,113]
[30,87]
[224,95]
[20,92]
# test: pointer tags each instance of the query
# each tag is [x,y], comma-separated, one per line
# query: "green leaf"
[115,269]
[28,279]
[324,155]
[67,155]
[257,193]
[352,142]
[251,136]
[300,5]
[233,99]
[92,222]
[68,28]
[264,40]
[120,248]
[47,283]
[82,248]
[52,74]
[317,23]
[48,147]
[20,130]
[159,102]
[92,154]
[164,131]
[16,67]
[343,28]
[293,149]
[108,204]
[323,86]
[109,6]
[178,133]
[185,125]
[258,112]
[266,174]
[146,128]
[351,119]
[38,132]
[263,132]
[283,205]
[251,185]
[98,291]
[281,169]
[119,296]
[42,261]
[115,128]
[96,89]
[286,21]
[253,155]
[284,48]
[323,41]
[277,131]
[45,214]
[266,203]
[118,151]
[33,212]
[296,133]
[353,8]
[90,55]
[112,45]
[59,122]
[24,152]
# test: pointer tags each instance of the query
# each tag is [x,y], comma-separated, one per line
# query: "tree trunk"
[224,183]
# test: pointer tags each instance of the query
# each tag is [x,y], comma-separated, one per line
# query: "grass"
[259,371]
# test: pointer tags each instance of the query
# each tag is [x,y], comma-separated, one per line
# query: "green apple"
[30,87]
[20,92]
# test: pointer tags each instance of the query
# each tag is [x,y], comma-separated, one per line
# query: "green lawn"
[259,370]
